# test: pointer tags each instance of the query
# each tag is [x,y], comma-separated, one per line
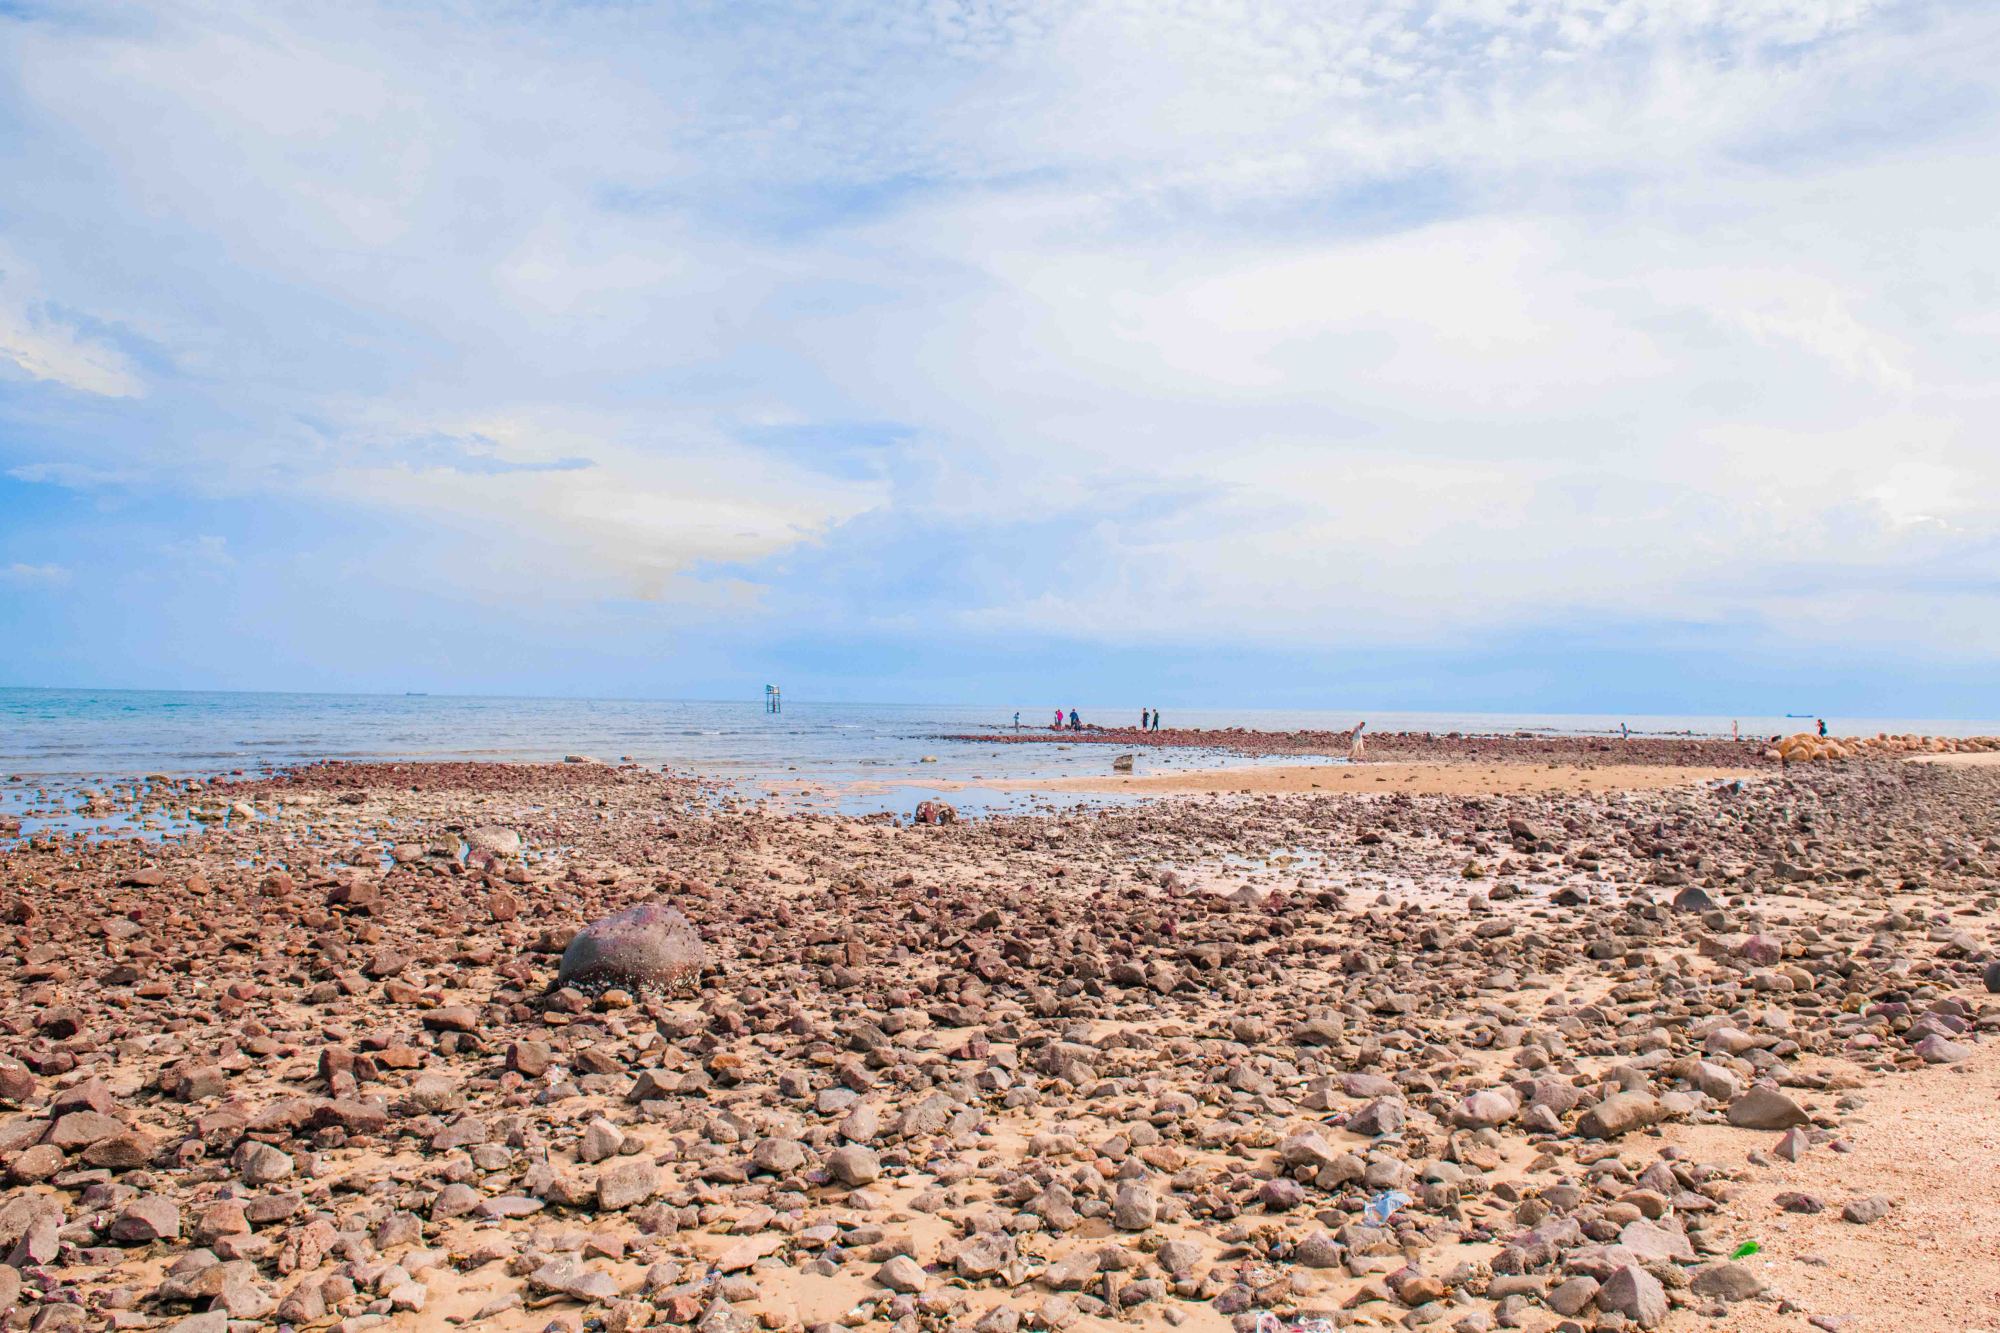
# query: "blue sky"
[1553,354]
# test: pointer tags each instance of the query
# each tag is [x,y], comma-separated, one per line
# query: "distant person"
[1057,724]
[1624,732]
[1156,720]
[1357,749]
[1145,715]
[1017,719]
[1822,728]
[1075,722]
[1734,733]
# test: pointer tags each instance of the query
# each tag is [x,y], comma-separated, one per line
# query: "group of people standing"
[1149,720]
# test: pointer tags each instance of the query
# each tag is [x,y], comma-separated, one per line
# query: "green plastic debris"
[1746,1249]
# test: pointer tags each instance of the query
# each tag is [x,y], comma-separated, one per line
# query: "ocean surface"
[66,734]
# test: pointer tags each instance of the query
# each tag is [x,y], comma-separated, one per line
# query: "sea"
[813,757]
[846,756]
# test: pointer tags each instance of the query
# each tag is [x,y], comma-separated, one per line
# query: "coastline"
[329,1027]
[1434,777]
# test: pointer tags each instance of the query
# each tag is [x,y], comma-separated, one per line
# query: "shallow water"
[76,734]
[849,759]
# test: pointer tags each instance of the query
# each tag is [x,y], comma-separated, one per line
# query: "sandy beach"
[1493,1042]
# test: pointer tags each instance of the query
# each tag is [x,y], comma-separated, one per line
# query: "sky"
[1564,355]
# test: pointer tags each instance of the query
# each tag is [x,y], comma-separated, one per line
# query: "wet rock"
[492,840]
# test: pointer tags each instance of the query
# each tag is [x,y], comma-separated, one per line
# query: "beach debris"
[1382,1207]
[934,812]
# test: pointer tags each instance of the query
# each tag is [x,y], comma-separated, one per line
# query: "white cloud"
[45,347]
[34,576]
[1380,320]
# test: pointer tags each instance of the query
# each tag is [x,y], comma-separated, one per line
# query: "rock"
[1992,977]
[983,1255]
[1319,1250]
[1484,1110]
[624,1184]
[1307,1148]
[601,1139]
[1383,1116]
[1618,1114]
[779,1157]
[452,1018]
[80,1129]
[120,1152]
[529,1059]
[149,1217]
[1939,1050]
[493,841]
[1863,1212]
[1636,1294]
[1656,1241]
[1134,1207]
[567,1277]
[17,1083]
[457,1200]
[1764,1107]
[903,1274]
[1573,1297]
[1180,1256]
[853,1165]
[1692,899]
[260,1163]
[1727,1282]
[647,948]
[1794,1144]
[209,1321]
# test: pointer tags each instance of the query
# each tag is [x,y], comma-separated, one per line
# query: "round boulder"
[647,947]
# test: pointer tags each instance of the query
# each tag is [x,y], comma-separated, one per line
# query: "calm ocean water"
[104,733]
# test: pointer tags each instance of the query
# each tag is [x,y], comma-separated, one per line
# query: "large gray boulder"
[647,947]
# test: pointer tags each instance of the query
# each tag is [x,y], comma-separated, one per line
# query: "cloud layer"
[1299,327]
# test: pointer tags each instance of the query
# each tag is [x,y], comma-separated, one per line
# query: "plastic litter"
[1383,1207]
[1745,1250]
[1271,1323]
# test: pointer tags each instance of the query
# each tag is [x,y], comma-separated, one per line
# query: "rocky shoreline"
[1302,1061]
[1521,747]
